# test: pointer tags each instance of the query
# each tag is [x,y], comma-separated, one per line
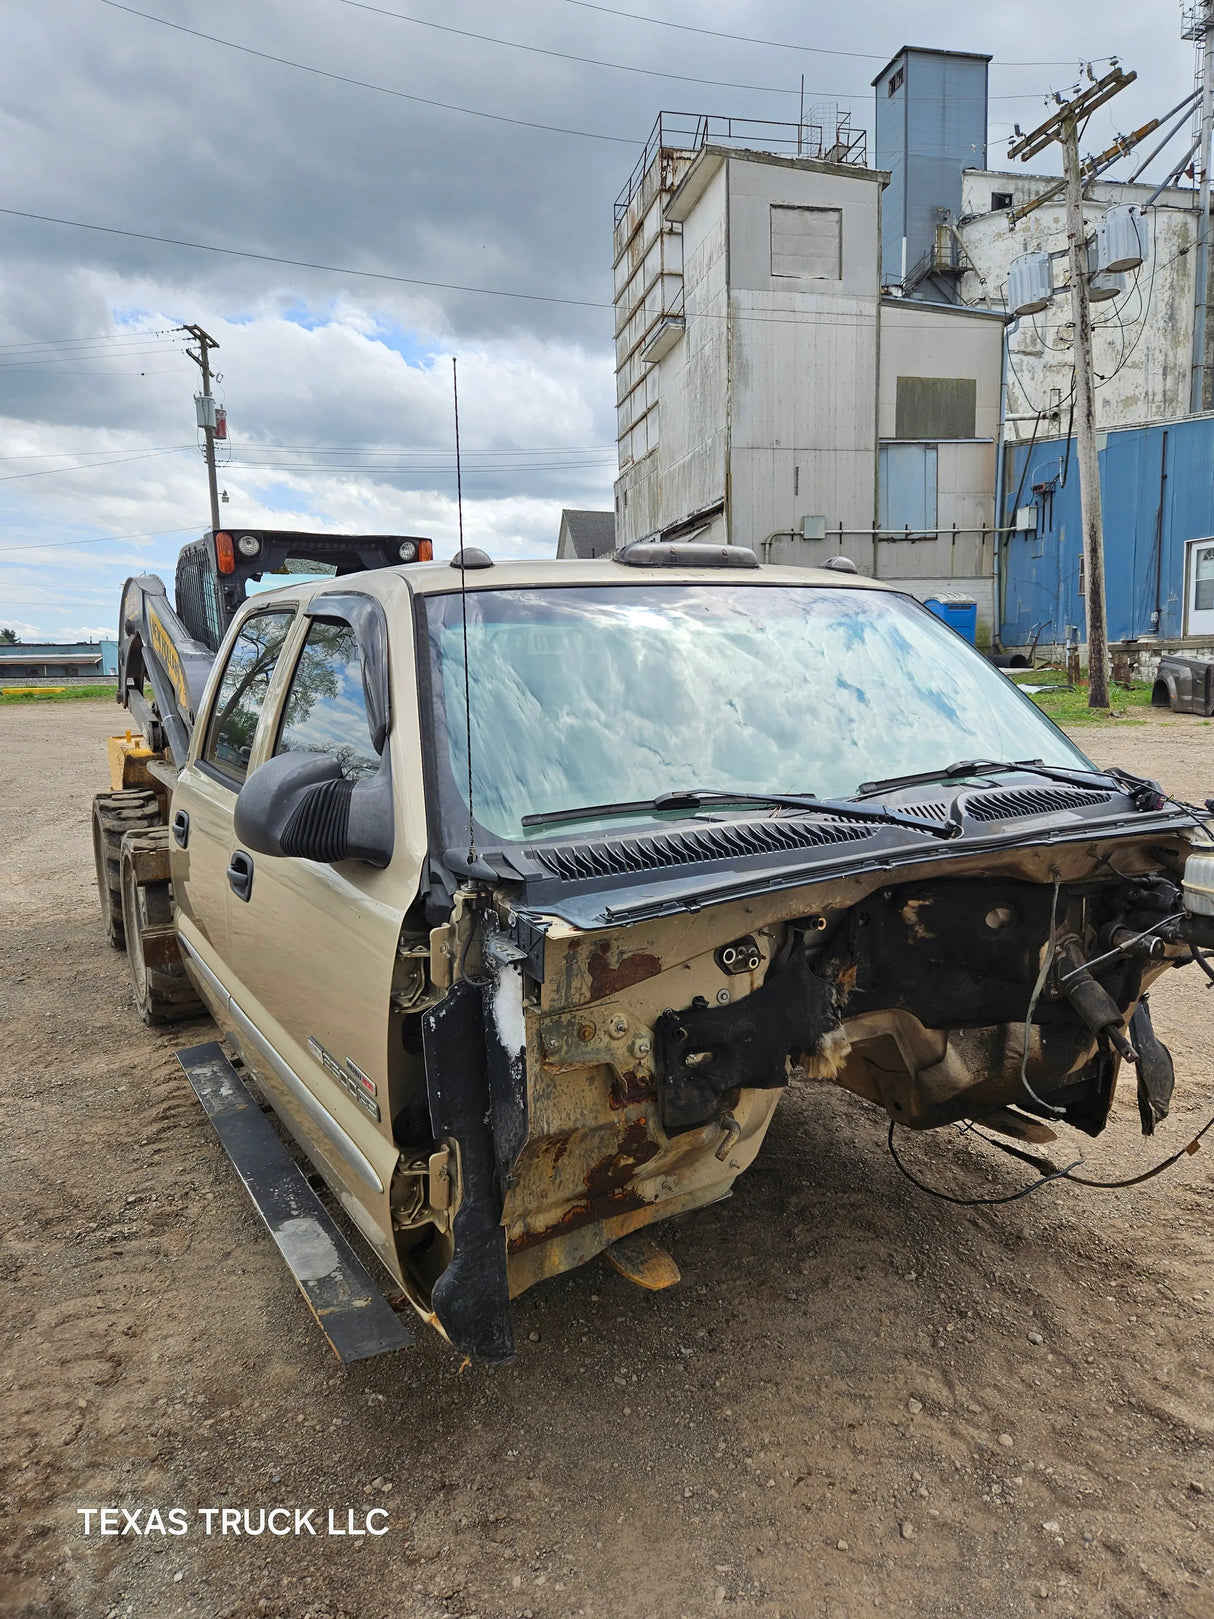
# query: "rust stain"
[579,1215]
[608,980]
[611,1174]
[559,1146]
[629,1088]
[607,1190]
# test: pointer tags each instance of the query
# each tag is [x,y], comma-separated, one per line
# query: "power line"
[52,455]
[405,471]
[647,72]
[51,472]
[139,340]
[321,449]
[45,361]
[778,44]
[363,84]
[103,539]
[306,264]
[567,56]
[381,449]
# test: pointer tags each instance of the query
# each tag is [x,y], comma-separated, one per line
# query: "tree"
[9,638]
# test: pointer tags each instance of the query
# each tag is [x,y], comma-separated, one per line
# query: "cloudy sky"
[481,148]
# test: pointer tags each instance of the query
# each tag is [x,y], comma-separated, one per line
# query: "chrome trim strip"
[343,1145]
[221,994]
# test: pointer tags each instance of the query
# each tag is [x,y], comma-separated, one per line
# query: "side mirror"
[300,804]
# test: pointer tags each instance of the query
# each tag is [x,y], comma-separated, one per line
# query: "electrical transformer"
[1119,241]
[1030,283]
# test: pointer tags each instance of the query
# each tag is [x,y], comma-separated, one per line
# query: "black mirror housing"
[300,804]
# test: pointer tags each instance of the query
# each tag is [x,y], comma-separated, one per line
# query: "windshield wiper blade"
[664,801]
[987,767]
[1144,793]
[696,799]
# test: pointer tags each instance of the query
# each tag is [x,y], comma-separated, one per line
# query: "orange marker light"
[225,556]
[425,551]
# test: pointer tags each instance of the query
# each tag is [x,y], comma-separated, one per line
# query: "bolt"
[723,997]
[585,1032]
[617,1026]
[641,1047]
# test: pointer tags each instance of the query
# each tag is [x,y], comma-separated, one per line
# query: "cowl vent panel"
[610,857]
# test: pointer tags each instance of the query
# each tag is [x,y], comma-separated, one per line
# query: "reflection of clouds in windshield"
[326,710]
[591,696]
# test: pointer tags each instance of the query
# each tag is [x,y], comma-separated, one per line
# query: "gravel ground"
[859,1402]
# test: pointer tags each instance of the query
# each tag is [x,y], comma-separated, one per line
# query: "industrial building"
[43,661]
[768,393]
[815,356]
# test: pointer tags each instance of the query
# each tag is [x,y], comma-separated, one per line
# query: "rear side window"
[326,709]
[242,692]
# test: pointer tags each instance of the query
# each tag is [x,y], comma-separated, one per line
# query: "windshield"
[584,696]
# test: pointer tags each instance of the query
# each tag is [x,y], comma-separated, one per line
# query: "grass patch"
[68,694]
[1070,707]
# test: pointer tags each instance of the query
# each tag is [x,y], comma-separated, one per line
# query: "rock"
[908,1529]
[1041,1591]
[534,1337]
[842,1545]
[1006,1440]
[1036,1338]
[914,1407]
[1052,1526]
[1197,1489]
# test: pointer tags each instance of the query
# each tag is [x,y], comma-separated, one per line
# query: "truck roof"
[434,578]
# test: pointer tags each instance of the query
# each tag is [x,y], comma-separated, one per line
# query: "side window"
[326,711]
[242,692]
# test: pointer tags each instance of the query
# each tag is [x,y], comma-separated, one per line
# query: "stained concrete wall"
[1141,340]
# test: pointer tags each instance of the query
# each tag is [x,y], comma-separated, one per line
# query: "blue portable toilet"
[957,611]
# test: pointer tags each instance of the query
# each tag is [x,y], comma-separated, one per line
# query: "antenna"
[463,602]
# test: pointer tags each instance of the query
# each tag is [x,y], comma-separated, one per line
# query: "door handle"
[240,875]
[181,828]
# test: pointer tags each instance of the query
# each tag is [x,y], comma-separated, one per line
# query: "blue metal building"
[930,125]
[1157,492]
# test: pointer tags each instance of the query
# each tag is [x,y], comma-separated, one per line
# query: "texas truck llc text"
[236,1521]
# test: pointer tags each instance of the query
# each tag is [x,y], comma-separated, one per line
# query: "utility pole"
[1063,126]
[1201,29]
[203,361]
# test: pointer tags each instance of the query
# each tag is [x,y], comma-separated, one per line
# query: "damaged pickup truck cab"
[523,890]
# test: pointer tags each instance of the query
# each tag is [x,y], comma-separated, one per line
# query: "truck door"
[312,947]
[204,798]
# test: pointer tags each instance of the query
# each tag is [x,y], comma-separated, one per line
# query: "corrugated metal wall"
[928,130]
[1148,517]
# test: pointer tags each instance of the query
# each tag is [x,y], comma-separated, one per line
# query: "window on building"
[242,692]
[907,493]
[936,407]
[1000,200]
[896,80]
[326,708]
[807,243]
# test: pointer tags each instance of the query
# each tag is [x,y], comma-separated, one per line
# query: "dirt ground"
[859,1402]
